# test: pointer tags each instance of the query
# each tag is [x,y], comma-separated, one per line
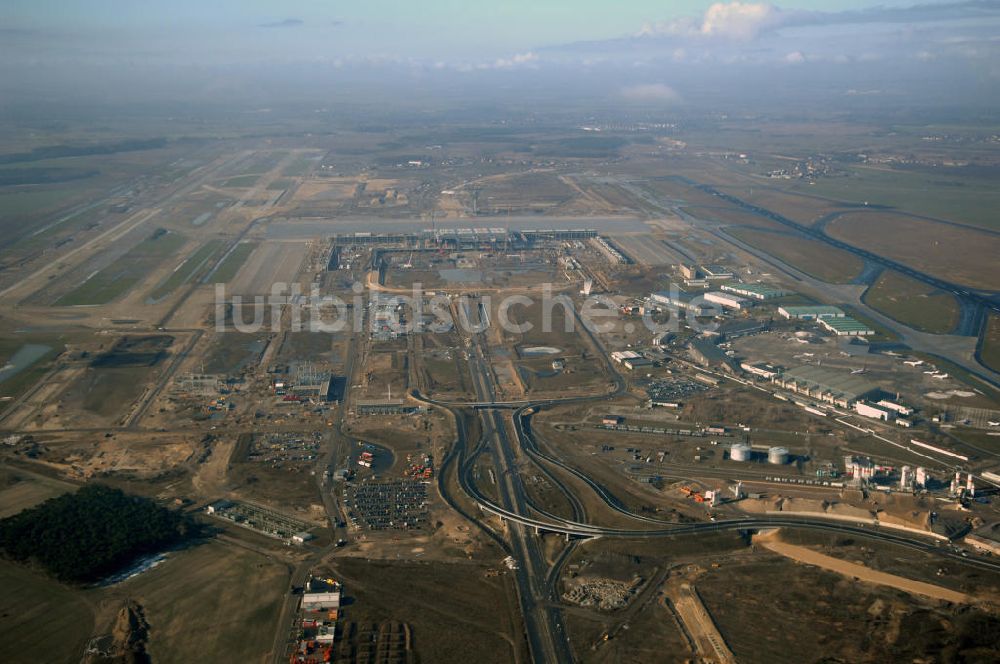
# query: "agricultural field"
[20,490]
[810,256]
[33,604]
[960,255]
[211,602]
[122,275]
[913,303]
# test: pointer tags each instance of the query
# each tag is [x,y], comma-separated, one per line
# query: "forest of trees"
[87,535]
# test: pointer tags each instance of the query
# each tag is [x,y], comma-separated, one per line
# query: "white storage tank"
[777,456]
[740,452]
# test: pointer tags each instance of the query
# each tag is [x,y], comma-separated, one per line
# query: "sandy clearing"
[862,573]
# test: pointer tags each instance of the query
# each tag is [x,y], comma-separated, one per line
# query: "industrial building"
[716,272]
[734,329]
[846,327]
[688,271]
[754,291]
[620,356]
[695,305]
[761,369]
[817,312]
[637,362]
[386,407]
[609,250]
[709,355]
[829,385]
[309,381]
[894,406]
[874,412]
[728,300]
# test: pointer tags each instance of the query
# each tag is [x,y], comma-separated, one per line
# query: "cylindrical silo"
[778,456]
[740,452]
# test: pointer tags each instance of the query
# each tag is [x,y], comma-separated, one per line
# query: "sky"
[226,30]
[638,51]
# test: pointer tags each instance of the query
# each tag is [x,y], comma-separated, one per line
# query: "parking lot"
[387,505]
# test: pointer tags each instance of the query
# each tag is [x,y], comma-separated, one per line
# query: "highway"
[537,582]
[543,626]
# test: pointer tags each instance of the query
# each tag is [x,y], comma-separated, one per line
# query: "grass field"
[813,257]
[211,603]
[913,303]
[118,278]
[32,605]
[241,181]
[952,196]
[960,255]
[22,203]
[299,167]
[186,270]
[20,490]
[15,384]
[232,263]
[990,352]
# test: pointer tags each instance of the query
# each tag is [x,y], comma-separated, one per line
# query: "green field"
[232,263]
[241,181]
[946,193]
[913,303]
[813,257]
[194,264]
[299,167]
[28,202]
[118,278]
[15,384]
[990,353]
[280,183]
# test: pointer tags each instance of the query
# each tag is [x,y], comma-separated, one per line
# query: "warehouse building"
[819,312]
[709,355]
[874,412]
[846,327]
[829,385]
[728,300]
[695,305]
[761,369]
[716,272]
[755,291]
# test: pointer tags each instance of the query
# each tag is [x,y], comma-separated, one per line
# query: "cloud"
[743,21]
[517,60]
[739,20]
[795,57]
[650,92]
[287,23]
[729,20]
